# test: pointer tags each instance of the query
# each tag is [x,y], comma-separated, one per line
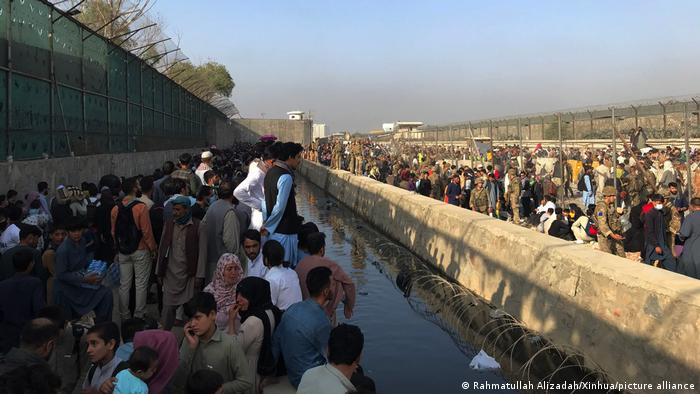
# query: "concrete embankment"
[24,175]
[638,323]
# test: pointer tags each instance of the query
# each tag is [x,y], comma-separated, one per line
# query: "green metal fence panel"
[98,97]
[4,30]
[30,128]
[31,25]
[95,63]
[3,114]
[117,73]
[95,114]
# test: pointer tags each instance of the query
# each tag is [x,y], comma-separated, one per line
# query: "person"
[128,330]
[159,196]
[638,138]
[344,353]
[259,318]
[281,220]
[205,381]
[479,198]
[57,234]
[37,342]
[179,264]
[602,174]
[76,292]
[102,340]
[302,335]
[585,186]
[250,190]
[223,287]
[146,185]
[513,194]
[133,236]
[204,166]
[341,284]
[424,185]
[165,344]
[221,230]
[453,191]
[21,298]
[284,282]
[657,251]
[37,379]
[580,224]
[43,189]
[205,347]
[10,237]
[689,260]
[142,365]
[608,223]
[192,181]
[253,252]
[28,240]
[64,358]
[559,227]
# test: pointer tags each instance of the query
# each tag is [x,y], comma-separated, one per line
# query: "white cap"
[206,155]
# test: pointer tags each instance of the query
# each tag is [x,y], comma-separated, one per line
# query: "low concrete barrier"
[638,323]
[24,175]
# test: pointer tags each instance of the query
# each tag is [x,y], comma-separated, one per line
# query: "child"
[102,340]
[142,365]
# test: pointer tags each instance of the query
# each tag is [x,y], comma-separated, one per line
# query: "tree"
[218,77]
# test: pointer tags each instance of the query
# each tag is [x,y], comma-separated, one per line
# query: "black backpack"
[127,235]
[582,184]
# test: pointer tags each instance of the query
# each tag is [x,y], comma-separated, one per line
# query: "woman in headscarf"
[668,176]
[165,344]
[228,273]
[259,318]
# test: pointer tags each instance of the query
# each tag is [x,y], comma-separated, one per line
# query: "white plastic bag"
[483,361]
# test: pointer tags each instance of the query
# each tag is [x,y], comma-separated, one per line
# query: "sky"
[357,64]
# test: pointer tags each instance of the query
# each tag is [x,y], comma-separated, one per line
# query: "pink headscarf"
[165,344]
[224,294]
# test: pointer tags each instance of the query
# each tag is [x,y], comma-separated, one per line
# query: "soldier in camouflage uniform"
[358,158]
[608,222]
[673,220]
[479,199]
[313,151]
[337,156]
[635,187]
[513,194]
[351,159]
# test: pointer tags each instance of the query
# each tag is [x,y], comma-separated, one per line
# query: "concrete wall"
[24,175]
[638,323]
[250,130]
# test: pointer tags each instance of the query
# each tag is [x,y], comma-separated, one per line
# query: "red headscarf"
[165,344]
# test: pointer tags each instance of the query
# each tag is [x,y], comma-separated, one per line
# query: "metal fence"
[64,90]
[663,119]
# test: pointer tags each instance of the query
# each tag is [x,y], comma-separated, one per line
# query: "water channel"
[409,346]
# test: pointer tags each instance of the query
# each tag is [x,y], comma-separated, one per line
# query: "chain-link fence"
[64,90]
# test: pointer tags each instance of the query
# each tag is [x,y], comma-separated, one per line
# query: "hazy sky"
[356,64]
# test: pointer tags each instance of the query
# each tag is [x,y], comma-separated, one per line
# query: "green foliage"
[217,77]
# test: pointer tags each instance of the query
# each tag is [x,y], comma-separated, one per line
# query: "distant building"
[406,130]
[321,130]
[295,115]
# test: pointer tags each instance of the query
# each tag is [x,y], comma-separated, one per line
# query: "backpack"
[127,235]
[120,367]
[591,230]
[582,184]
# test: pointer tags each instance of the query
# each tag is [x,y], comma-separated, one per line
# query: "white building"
[295,115]
[320,131]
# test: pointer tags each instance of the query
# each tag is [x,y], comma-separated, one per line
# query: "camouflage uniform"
[337,156]
[357,152]
[351,161]
[635,187]
[479,200]
[673,221]
[513,195]
[608,223]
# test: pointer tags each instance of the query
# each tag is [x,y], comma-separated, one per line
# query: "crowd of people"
[245,296]
[633,202]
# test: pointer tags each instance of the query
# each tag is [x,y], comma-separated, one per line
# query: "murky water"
[409,348]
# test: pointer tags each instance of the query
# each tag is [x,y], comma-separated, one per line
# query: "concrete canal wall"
[638,323]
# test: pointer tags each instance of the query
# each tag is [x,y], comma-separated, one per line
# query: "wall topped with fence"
[665,118]
[64,90]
